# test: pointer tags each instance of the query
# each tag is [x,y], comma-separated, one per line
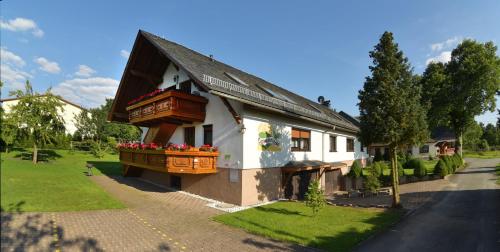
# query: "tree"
[37,117]
[389,104]
[474,79]
[432,83]
[472,136]
[85,125]
[491,134]
[315,198]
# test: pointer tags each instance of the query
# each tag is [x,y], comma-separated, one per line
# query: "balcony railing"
[172,104]
[188,162]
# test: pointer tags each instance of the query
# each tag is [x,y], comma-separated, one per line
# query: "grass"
[57,185]
[482,154]
[333,229]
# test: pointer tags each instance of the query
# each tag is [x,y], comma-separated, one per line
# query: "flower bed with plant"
[168,147]
[145,96]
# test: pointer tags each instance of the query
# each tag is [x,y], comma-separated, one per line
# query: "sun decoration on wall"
[269,138]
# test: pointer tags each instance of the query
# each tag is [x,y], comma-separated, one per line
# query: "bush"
[97,149]
[372,182]
[449,164]
[459,161]
[315,198]
[356,170]
[418,167]
[483,145]
[441,168]
[378,168]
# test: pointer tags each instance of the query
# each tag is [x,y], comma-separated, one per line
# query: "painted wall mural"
[269,138]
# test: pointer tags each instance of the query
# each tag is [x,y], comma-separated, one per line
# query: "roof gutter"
[218,93]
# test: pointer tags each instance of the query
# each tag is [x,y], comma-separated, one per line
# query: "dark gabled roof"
[354,120]
[216,77]
[442,133]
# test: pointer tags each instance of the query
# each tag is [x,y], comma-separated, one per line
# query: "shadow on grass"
[279,211]
[50,154]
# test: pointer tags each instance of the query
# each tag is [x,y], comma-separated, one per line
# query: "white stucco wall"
[320,143]
[68,113]
[169,76]
[226,132]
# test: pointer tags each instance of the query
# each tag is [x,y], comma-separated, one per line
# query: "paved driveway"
[465,216]
[156,220]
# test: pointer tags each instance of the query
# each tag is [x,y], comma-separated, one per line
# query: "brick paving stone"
[156,220]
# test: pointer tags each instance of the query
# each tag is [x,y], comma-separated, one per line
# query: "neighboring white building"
[270,140]
[68,113]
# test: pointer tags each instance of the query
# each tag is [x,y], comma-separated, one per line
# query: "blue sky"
[79,48]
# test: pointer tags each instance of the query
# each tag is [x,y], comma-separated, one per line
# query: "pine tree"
[389,104]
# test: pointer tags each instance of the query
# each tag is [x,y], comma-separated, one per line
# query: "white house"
[271,142]
[68,113]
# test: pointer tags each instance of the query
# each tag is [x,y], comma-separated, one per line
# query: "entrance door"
[175,182]
[189,134]
[297,186]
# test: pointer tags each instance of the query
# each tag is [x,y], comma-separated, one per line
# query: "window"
[207,134]
[189,136]
[333,144]
[361,147]
[301,140]
[350,145]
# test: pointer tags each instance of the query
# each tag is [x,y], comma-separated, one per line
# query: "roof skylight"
[238,80]
[276,94]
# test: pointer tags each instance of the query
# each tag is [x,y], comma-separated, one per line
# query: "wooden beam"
[153,80]
[233,112]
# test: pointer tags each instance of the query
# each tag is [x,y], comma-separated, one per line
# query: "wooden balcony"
[170,106]
[188,162]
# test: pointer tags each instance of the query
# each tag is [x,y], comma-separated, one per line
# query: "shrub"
[441,168]
[420,169]
[431,157]
[97,149]
[449,164]
[314,197]
[356,170]
[372,182]
[378,168]
[458,160]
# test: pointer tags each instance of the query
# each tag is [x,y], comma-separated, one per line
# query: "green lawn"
[482,154]
[333,229]
[57,185]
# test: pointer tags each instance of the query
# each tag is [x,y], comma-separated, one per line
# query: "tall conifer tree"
[389,104]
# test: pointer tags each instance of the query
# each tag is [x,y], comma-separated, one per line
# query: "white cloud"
[443,57]
[84,71]
[9,57]
[125,54]
[47,65]
[22,24]
[437,47]
[90,92]
[13,77]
